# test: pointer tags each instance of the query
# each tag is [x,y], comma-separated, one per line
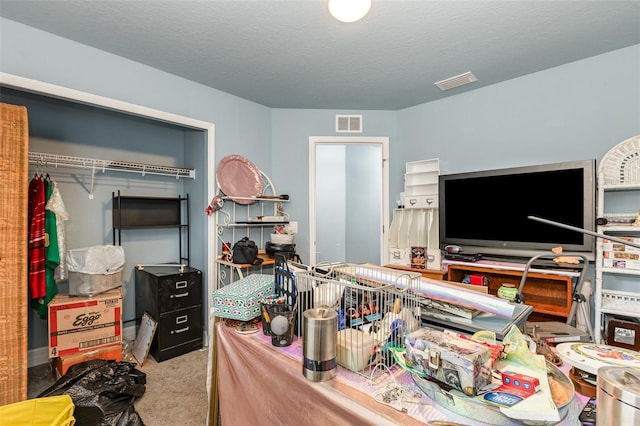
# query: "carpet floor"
[176,389]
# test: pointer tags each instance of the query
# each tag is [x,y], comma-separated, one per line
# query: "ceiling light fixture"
[349,10]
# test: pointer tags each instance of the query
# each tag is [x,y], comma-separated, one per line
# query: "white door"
[349,203]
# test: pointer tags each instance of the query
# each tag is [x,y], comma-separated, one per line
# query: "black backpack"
[246,251]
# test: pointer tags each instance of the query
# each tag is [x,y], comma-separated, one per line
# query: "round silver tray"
[459,403]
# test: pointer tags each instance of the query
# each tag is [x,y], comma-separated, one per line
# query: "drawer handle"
[179,295]
[180,330]
[181,284]
[413,201]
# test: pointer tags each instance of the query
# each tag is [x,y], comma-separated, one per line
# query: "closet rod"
[104,165]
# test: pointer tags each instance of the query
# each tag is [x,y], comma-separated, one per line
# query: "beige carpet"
[176,391]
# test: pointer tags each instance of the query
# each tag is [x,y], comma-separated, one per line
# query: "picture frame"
[144,337]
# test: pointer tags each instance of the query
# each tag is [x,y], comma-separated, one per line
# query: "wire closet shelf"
[56,160]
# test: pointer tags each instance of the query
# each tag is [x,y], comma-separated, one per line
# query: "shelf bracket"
[93,175]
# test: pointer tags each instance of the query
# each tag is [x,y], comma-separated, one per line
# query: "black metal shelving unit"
[133,212]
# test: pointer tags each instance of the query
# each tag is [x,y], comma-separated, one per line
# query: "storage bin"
[240,300]
[355,349]
[281,238]
[49,411]
[92,284]
[94,270]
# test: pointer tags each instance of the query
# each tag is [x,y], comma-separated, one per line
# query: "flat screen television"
[487,212]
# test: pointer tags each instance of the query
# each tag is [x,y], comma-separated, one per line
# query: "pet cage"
[376,307]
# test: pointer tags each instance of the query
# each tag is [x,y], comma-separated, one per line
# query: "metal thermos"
[319,336]
[618,396]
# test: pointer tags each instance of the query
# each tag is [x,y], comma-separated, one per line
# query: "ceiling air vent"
[349,123]
[458,80]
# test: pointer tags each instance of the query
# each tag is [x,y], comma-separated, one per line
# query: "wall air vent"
[349,123]
[458,80]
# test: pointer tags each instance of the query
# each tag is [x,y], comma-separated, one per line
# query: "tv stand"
[549,291]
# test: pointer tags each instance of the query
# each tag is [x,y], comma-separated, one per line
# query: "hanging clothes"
[37,280]
[51,255]
[56,205]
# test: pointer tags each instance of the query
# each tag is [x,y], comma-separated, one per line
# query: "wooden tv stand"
[549,291]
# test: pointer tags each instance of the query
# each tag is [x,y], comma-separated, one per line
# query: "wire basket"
[268,311]
[376,307]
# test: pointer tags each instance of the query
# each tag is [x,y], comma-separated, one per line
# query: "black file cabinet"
[174,300]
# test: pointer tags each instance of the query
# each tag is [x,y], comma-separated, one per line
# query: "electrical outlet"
[293,227]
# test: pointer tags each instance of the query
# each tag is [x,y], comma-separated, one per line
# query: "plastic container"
[354,349]
[281,238]
[94,270]
[49,411]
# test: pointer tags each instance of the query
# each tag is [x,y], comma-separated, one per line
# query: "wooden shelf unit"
[548,293]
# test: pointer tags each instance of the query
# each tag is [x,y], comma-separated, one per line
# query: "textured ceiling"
[292,54]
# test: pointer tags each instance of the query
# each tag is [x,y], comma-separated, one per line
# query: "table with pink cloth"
[259,383]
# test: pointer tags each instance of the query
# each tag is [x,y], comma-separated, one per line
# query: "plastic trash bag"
[517,349]
[103,392]
[106,259]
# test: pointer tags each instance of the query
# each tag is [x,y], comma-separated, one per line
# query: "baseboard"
[39,356]
[129,333]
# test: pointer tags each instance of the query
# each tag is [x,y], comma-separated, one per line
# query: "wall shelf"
[55,160]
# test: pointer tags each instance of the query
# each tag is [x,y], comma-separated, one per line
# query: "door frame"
[383,142]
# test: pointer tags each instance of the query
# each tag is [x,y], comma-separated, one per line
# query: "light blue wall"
[291,129]
[241,127]
[575,111]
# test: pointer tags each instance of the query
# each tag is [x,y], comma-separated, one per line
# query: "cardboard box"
[111,352]
[618,255]
[240,300]
[608,245]
[621,259]
[460,363]
[81,323]
[526,384]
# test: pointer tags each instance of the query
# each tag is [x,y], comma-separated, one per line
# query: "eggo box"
[460,363]
[78,324]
